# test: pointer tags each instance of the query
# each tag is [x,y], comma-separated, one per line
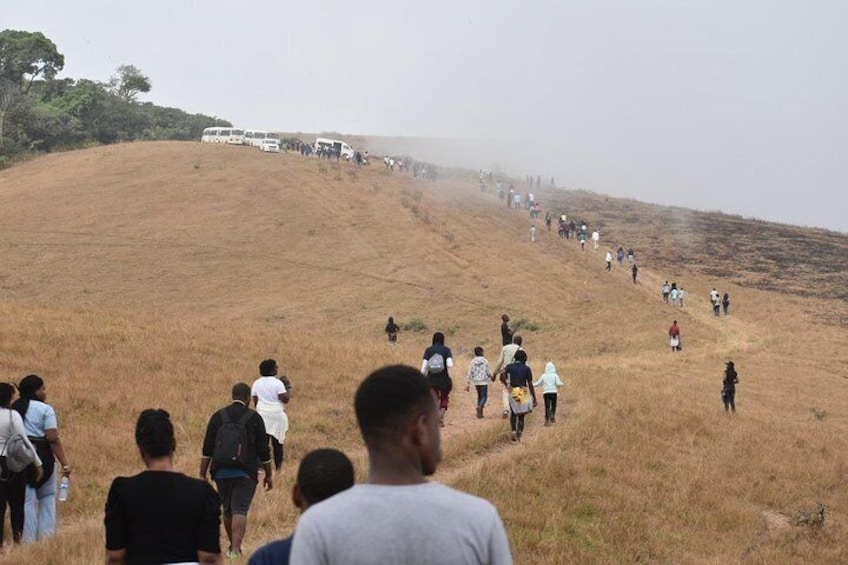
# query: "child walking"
[550,382]
[479,373]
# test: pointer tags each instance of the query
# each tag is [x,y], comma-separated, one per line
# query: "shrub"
[415,325]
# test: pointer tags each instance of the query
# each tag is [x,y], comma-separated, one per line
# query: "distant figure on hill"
[635,271]
[631,257]
[399,516]
[728,391]
[716,304]
[550,383]
[674,336]
[270,395]
[596,240]
[666,289]
[582,239]
[506,333]
[509,198]
[479,374]
[725,303]
[392,330]
[548,220]
[505,358]
[619,255]
[322,474]
[518,378]
[235,444]
[681,294]
[609,261]
[516,201]
[161,515]
[533,233]
[437,360]
[674,295]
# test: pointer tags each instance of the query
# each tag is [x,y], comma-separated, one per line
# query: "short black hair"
[241,391]
[268,368]
[520,356]
[517,339]
[7,391]
[323,473]
[478,351]
[438,337]
[387,399]
[154,433]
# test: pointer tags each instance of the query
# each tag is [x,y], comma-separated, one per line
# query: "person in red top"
[674,336]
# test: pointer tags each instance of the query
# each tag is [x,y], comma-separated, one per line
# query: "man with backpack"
[235,444]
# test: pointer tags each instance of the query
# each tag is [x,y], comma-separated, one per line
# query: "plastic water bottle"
[63,489]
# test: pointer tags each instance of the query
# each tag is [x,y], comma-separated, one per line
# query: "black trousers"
[550,404]
[13,493]
[277,448]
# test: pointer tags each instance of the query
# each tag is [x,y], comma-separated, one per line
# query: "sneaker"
[553,419]
[514,436]
[506,414]
[232,555]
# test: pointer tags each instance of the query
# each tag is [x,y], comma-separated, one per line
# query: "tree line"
[40,113]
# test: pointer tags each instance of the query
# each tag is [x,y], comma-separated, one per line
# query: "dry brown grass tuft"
[132,277]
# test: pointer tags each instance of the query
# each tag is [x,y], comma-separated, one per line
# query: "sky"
[739,106]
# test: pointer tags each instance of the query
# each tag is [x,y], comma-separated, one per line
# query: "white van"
[334,145]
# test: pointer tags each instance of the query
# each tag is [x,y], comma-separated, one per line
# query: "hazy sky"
[737,105]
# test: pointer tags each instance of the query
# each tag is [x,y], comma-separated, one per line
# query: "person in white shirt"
[270,395]
[479,374]
[596,239]
[550,383]
[505,358]
[609,261]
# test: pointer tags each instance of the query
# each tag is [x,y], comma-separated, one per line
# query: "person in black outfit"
[506,333]
[237,483]
[728,392]
[161,515]
[392,330]
[518,375]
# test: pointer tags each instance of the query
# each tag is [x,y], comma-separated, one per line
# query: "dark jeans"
[516,422]
[729,398]
[482,395]
[550,405]
[13,493]
[277,448]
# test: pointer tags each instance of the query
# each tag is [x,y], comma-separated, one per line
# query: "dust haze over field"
[716,106]
[157,274]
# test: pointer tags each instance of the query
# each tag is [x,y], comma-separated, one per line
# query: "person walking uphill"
[518,378]
[235,444]
[161,515]
[505,358]
[550,383]
[437,360]
[392,330]
[410,520]
[479,373]
[41,427]
[674,336]
[506,333]
[270,396]
[728,391]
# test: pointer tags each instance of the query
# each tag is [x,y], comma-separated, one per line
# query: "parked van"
[334,145]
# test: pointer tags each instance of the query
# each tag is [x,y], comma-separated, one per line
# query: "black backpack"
[232,442]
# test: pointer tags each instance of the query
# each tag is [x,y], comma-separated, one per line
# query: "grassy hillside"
[158,274]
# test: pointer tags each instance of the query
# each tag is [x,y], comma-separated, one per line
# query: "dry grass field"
[158,274]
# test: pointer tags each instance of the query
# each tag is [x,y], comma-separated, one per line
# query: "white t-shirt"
[268,389]
[424,524]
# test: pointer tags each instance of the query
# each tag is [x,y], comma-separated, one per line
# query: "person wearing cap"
[728,391]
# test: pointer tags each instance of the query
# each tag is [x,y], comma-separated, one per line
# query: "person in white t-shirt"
[270,395]
[596,239]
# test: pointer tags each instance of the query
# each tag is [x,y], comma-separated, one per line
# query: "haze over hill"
[160,273]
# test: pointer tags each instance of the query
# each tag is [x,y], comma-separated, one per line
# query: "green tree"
[128,82]
[24,57]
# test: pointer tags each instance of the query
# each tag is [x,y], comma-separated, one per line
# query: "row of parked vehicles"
[269,141]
